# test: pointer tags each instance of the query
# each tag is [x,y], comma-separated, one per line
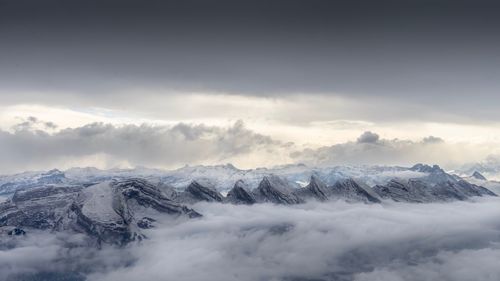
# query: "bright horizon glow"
[293,123]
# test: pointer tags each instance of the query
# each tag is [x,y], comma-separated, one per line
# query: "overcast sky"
[299,78]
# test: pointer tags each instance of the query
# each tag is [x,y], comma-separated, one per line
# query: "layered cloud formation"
[36,144]
[104,144]
[370,149]
[442,57]
[318,241]
[316,73]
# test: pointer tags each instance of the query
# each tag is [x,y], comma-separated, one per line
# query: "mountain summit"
[116,211]
[478,176]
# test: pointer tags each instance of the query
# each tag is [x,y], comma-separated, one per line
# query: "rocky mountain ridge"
[110,212]
[117,211]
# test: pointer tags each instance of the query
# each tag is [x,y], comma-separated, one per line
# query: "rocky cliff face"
[479,176]
[436,187]
[317,189]
[275,190]
[40,208]
[414,191]
[351,191]
[200,191]
[240,194]
[110,212]
[118,211]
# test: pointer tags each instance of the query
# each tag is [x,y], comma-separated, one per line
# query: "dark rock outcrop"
[240,194]
[39,208]
[199,191]
[316,189]
[414,191]
[418,191]
[147,195]
[275,190]
[435,174]
[110,212]
[471,190]
[351,191]
[423,168]
[479,176]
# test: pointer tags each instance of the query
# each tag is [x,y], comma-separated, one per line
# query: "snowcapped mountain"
[223,177]
[489,168]
[75,176]
[10,183]
[478,179]
[115,207]
[109,212]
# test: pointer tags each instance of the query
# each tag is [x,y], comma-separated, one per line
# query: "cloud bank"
[34,144]
[318,241]
[371,149]
[147,145]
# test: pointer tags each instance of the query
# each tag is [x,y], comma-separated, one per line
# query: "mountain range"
[115,206]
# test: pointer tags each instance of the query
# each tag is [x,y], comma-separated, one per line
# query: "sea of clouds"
[314,241]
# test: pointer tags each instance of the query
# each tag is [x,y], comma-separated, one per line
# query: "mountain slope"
[110,212]
[240,194]
[276,190]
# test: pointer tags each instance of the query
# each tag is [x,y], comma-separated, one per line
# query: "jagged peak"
[277,190]
[318,188]
[269,178]
[240,194]
[53,172]
[424,168]
[274,181]
[87,170]
[203,191]
[240,183]
[231,166]
[315,180]
[198,168]
[479,176]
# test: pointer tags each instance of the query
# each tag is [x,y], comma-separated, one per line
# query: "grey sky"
[315,73]
[426,52]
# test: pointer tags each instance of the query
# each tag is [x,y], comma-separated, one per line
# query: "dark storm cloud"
[437,53]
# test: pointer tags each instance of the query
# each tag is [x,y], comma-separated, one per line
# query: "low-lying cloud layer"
[317,241]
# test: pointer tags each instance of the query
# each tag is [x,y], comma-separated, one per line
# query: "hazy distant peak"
[478,176]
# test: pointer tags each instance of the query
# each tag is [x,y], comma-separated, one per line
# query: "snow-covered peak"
[223,177]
